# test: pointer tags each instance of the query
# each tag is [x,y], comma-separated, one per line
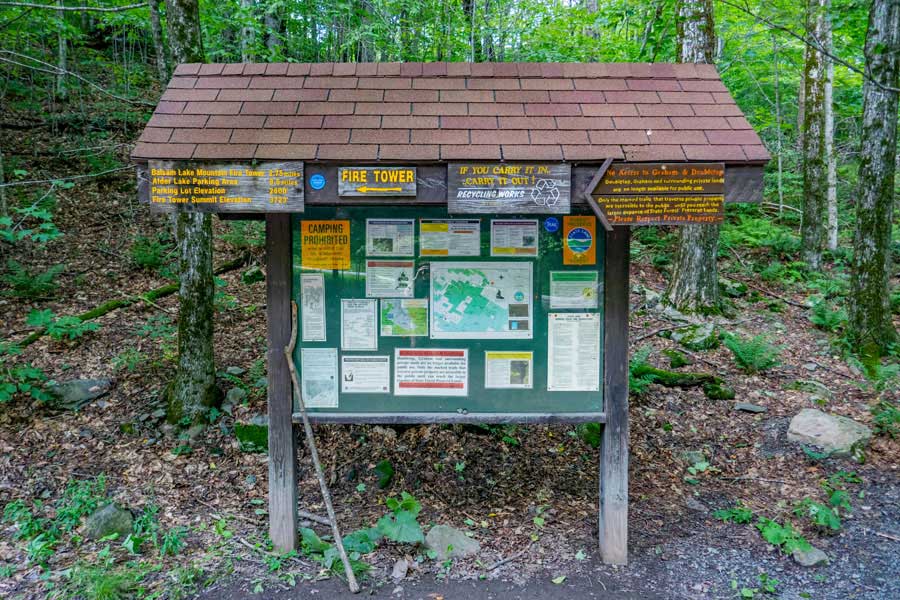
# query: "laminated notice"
[325,244]
[312,303]
[366,374]
[508,370]
[359,328]
[319,379]
[450,237]
[573,352]
[422,372]
[514,237]
[390,237]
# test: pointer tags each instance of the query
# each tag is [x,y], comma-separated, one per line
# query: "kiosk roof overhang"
[433,112]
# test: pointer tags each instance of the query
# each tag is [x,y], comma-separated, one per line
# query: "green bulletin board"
[503,404]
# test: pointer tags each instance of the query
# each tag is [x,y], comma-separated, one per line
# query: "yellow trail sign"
[365,189]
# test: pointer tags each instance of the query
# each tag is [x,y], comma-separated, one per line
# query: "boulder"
[448,542]
[751,408]
[697,337]
[835,434]
[253,436]
[76,393]
[108,520]
[810,558]
[235,396]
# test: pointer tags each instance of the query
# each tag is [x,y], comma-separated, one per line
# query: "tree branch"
[56,7]
[55,179]
[812,43]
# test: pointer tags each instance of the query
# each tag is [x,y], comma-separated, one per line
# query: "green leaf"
[580,555]
[362,541]
[385,473]
[401,527]
[311,542]
[558,580]
[132,543]
[40,318]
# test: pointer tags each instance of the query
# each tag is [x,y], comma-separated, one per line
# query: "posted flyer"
[514,237]
[508,370]
[312,307]
[450,237]
[573,352]
[390,237]
[359,329]
[366,374]
[319,377]
[390,278]
[431,372]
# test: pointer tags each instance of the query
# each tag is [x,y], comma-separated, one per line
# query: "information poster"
[319,378]
[573,352]
[579,240]
[450,237]
[508,370]
[573,289]
[514,237]
[390,278]
[325,244]
[404,317]
[359,330]
[312,303]
[481,300]
[366,374]
[390,237]
[421,372]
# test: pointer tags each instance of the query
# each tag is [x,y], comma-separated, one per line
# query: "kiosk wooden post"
[282,441]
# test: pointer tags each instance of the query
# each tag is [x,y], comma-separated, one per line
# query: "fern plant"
[753,355]
[822,316]
[27,284]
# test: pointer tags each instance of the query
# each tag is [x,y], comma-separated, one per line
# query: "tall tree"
[194,387]
[694,285]
[159,45]
[830,157]
[815,165]
[871,326]
[61,51]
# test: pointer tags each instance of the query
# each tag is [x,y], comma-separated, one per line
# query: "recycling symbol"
[545,192]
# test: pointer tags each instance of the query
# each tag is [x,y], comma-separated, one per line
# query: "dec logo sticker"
[579,240]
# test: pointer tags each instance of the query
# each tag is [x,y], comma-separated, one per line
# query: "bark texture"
[830,157]
[871,326]
[694,286]
[194,387]
[815,164]
[61,52]
[159,45]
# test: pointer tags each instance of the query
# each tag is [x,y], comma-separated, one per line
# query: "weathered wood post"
[282,443]
[613,532]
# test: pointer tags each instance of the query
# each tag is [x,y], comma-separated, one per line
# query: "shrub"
[149,252]
[886,418]
[27,284]
[753,355]
[822,316]
[244,235]
[19,379]
[60,327]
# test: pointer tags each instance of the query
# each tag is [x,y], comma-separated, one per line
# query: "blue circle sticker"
[551,224]
[317,181]
[579,240]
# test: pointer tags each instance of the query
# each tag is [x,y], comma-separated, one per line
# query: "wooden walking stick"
[314,453]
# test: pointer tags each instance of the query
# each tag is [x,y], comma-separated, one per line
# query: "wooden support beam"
[587,197]
[282,442]
[613,532]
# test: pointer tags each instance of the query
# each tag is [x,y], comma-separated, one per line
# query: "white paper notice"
[450,237]
[366,374]
[390,278]
[573,348]
[514,238]
[573,289]
[319,379]
[359,326]
[312,301]
[508,370]
[431,372]
[390,237]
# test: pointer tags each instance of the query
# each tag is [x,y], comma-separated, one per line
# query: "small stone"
[235,396]
[159,413]
[236,371]
[692,457]
[448,542]
[751,408]
[696,505]
[810,366]
[811,558]
[195,431]
[74,394]
[835,434]
[108,520]
[401,567]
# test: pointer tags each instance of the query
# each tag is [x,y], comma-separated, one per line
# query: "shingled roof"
[426,112]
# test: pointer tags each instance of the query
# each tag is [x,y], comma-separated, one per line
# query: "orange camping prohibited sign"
[579,240]
[325,244]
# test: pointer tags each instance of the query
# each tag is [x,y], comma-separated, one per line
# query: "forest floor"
[528,491]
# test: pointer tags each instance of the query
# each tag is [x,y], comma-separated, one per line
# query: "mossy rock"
[697,337]
[733,289]
[677,359]
[252,436]
[717,390]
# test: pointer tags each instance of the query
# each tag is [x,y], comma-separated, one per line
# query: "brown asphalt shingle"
[425,112]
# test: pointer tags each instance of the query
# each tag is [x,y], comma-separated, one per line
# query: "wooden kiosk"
[456,235]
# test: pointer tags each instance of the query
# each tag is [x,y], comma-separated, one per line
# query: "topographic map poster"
[319,381]
[481,300]
[404,317]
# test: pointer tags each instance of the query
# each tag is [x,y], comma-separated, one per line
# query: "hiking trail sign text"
[376,181]
[496,188]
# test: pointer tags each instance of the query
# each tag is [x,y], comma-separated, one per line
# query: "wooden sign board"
[662,209]
[663,178]
[505,188]
[376,181]
[224,187]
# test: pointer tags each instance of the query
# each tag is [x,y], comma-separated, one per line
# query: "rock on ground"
[448,542]
[108,520]
[834,434]
[78,392]
[811,558]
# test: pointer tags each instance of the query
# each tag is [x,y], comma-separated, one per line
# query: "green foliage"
[824,317]
[789,273]
[638,380]
[677,359]
[150,252]
[736,514]
[252,437]
[784,537]
[589,433]
[767,585]
[758,232]
[173,541]
[818,513]
[401,525]
[30,284]
[385,472]
[81,497]
[753,355]
[129,359]
[326,554]
[59,328]
[885,418]
[245,235]
[100,582]
[20,379]
[33,223]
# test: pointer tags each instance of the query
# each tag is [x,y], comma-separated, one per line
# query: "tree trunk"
[778,125]
[247,32]
[4,208]
[61,55]
[194,387]
[273,32]
[871,326]
[815,168]
[694,285]
[830,158]
[159,45]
